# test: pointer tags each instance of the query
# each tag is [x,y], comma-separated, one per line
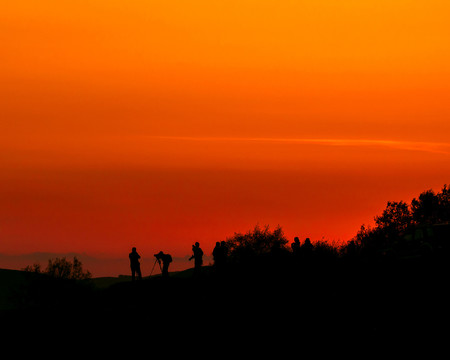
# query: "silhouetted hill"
[13,283]
[389,282]
[105,282]
[373,300]
[10,281]
[344,299]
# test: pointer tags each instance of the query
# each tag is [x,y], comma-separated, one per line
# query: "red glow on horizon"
[158,124]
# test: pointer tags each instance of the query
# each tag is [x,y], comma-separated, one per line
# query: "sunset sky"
[156,124]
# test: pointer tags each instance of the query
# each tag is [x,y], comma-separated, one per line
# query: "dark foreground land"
[280,302]
[388,286]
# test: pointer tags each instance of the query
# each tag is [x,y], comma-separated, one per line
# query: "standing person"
[220,254]
[217,254]
[198,257]
[134,264]
[296,246]
[307,249]
[166,260]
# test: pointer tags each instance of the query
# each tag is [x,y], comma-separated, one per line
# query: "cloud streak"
[421,146]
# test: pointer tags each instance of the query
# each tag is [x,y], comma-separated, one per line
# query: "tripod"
[156,261]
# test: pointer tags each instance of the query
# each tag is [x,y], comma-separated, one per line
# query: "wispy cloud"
[422,146]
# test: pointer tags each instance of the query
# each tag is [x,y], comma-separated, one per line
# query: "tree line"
[420,228]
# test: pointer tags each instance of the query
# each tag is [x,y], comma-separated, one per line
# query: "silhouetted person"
[220,254]
[198,257]
[166,259]
[296,247]
[217,253]
[134,264]
[307,249]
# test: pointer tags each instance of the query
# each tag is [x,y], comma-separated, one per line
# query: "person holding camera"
[166,259]
[198,258]
[134,264]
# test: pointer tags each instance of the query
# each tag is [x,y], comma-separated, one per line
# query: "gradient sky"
[159,123]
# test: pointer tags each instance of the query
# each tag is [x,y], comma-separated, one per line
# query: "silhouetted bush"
[257,244]
[62,284]
[61,268]
[325,251]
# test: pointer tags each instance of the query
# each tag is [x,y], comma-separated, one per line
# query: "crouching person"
[166,259]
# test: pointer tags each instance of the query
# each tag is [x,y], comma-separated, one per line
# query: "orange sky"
[159,123]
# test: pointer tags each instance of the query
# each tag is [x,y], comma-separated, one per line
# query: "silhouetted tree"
[61,284]
[395,218]
[259,251]
[61,268]
[350,250]
[431,208]
[325,251]
[259,241]
[425,209]
[394,229]
[35,268]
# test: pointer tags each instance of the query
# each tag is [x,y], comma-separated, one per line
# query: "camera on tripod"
[166,260]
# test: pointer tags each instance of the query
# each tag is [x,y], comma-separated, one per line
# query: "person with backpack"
[198,258]
[166,259]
